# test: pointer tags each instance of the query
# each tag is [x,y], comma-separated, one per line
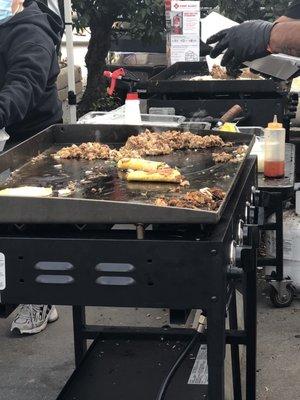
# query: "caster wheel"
[280,302]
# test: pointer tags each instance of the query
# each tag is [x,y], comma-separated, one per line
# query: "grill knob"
[247,207]
[232,255]
[254,195]
[240,233]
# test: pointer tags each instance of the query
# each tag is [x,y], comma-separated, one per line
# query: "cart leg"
[250,327]
[235,353]
[216,351]
[279,238]
[80,343]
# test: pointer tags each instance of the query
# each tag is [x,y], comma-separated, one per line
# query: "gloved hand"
[205,49]
[245,42]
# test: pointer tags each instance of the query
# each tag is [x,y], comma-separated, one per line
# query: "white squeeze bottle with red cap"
[132,110]
[274,150]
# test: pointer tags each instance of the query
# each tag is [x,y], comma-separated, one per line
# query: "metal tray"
[119,201]
[173,80]
[117,118]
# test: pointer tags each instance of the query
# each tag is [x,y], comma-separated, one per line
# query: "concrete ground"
[36,367]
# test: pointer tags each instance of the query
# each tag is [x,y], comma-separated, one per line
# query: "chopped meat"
[217,193]
[218,72]
[145,144]
[161,202]
[184,183]
[222,157]
[123,153]
[72,186]
[235,156]
[248,74]
[207,199]
[162,143]
[38,158]
[87,151]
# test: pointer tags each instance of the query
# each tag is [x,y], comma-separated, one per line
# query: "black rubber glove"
[245,42]
[205,49]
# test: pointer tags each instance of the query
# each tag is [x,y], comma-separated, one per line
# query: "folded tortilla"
[26,191]
[138,164]
[171,176]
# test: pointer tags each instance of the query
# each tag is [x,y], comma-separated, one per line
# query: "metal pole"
[70,56]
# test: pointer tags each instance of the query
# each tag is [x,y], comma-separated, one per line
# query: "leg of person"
[33,318]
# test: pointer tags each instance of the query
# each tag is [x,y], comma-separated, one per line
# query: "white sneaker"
[33,318]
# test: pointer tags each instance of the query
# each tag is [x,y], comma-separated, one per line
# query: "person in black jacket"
[29,39]
[28,69]
[255,39]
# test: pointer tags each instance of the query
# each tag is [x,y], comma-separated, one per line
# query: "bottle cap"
[275,124]
[132,96]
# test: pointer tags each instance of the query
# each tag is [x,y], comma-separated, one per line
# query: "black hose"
[164,386]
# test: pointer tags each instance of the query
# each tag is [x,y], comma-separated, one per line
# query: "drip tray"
[133,366]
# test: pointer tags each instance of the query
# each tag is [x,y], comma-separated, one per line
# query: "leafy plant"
[146,19]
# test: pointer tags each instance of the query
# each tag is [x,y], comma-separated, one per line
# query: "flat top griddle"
[176,79]
[107,198]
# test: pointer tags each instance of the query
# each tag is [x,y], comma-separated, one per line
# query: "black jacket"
[294,10]
[28,71]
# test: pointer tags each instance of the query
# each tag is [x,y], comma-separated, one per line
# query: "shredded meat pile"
[235,156]
[161,143]
[208,199]
[145,144]
[87,151]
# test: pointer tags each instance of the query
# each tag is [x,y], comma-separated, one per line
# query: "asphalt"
[36,367]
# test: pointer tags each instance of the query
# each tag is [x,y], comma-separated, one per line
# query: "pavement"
[37,367]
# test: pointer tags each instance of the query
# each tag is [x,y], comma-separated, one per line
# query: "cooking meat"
[145,144]
[207,199]
[162,143]
[223,157]
[218,72]
[248,74]
[87,151]
[204,142]
[235,156]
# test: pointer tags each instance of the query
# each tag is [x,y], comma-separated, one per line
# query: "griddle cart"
[260,99]
[53,256]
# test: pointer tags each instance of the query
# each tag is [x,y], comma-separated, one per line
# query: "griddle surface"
[197,166]
[109,199]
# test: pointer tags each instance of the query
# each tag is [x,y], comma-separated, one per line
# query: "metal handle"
[232,113]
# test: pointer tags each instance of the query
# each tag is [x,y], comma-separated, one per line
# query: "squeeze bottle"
[274,150]
[132,110]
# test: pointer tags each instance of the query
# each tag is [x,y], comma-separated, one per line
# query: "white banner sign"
[185,31]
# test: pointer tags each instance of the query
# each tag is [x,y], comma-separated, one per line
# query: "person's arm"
[283,18]
[285,38]
[28,67]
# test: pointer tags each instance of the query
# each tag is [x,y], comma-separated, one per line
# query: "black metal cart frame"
[163,269]
[274,195]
